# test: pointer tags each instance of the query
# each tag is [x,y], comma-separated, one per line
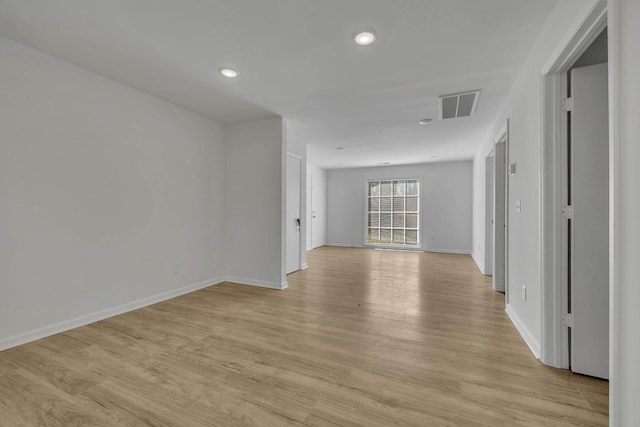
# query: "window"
[393,209]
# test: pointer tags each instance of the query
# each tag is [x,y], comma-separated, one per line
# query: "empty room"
[319,213]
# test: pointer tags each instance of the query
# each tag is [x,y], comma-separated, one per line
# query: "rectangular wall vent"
[461,104]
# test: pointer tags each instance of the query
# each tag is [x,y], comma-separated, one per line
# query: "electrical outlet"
[524,293]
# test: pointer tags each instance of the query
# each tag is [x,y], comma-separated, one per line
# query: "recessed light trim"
[364,37]
[425,121]
[229,73]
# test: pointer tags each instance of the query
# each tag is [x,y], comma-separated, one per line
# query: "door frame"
[501,169]
[553,184]
[300,211]
[325,208]
[488,214]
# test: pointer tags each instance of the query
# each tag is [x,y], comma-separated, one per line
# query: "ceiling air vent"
[456,105]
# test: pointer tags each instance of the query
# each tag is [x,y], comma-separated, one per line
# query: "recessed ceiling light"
[228,72]
[364,37]
[425,121]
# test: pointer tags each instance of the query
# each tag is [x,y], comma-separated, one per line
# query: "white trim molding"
[448,251]
[527,336]
[345,245]
[583,33]
[480,265]
[79,321]
[258,283]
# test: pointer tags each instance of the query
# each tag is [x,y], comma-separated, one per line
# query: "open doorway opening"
[489,227]
[587,211]
[293,223]
[575,201]
[500,213]
[318,212]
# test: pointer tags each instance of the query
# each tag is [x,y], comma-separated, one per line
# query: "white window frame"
[392,245]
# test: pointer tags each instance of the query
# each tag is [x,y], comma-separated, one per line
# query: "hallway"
[442,343]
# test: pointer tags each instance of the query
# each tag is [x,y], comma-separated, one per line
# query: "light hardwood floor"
[363,337]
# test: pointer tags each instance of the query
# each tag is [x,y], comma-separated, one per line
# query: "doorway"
[587,213]
[292,223]
[569,164]
[489,220]
[500,216]
[318,212]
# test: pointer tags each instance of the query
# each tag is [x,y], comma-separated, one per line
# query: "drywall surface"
[110,198]
[317,172]
[254,202]
[445,203]
[624,32]
[522,109]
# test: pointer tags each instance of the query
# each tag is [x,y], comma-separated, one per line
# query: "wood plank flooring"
[362,338]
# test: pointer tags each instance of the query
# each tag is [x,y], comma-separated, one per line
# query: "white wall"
[624,34]
[445,202]
[313,171]
[103,190]
[522,108]
[254,202]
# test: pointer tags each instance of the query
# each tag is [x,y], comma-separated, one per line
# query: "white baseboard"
[304,266]
[258,283]
[345,245]
[76,322]
[479,264]
[444,251]
[448,251]
[528,338]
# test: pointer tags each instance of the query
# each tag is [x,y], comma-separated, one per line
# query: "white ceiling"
[296,58]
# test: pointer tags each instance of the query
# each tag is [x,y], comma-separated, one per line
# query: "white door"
[318,212]
[589,228]
[500,217]
[489,223]
[292,227]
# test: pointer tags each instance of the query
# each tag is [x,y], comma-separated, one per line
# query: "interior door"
[489,222]
[500,217]
[318,212]
[589,227]
[292,227]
